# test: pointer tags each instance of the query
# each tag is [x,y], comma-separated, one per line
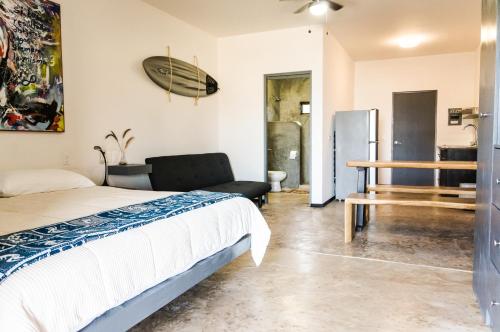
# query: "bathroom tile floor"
[410,270]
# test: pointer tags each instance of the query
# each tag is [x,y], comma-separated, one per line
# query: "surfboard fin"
[212,85]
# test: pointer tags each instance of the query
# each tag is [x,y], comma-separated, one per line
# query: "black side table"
[130,176]
[130,169]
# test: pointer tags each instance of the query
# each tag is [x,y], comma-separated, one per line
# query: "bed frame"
[137,309]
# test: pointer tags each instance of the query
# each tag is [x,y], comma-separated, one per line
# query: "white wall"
[243,62]
[453,75]
[338,96]
[104,43]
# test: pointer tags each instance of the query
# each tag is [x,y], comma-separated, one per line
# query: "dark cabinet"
[487,222]
[453,178]
[496,178]
[495,240]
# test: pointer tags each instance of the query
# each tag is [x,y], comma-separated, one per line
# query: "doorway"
[414,135]
[288,132]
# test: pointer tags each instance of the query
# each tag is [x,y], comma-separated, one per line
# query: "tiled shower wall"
[291,92]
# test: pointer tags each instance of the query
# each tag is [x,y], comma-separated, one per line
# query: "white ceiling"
[366,28]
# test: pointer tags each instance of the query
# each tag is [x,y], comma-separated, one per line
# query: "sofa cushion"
[249,189]
[189,172]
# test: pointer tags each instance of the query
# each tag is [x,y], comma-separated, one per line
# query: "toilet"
[275,178]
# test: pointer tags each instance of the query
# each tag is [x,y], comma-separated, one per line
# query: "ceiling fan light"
[318,8]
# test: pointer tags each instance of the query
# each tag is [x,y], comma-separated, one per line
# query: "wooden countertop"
[458,147]
[462,165]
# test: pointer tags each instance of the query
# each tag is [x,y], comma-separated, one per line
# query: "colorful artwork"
[31,77]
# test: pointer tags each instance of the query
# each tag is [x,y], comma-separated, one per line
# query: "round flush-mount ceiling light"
[410,41]
[318,8]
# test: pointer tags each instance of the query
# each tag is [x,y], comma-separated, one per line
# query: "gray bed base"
[135,310]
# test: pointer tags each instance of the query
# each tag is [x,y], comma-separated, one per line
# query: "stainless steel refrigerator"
[355,138]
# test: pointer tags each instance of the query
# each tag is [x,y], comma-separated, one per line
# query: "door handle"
[372,142]
[396,142]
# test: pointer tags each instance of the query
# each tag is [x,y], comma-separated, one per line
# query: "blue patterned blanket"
[24,248]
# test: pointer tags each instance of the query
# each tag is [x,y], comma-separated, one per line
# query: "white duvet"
[65,292]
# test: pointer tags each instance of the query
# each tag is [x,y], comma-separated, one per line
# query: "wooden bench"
[402,200]
[387,188]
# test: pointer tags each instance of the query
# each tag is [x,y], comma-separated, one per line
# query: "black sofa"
[210,172]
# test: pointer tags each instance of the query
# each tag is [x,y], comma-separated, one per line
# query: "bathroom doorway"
[288,132]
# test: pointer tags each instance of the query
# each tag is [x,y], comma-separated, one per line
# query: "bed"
[114,282]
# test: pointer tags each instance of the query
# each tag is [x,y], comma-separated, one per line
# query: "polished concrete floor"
[409,270]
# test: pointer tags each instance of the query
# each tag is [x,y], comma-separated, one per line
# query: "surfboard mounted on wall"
[180,77]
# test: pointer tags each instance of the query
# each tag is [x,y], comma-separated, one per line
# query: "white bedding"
[65,292]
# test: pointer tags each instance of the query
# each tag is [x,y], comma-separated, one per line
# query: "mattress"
[65,292]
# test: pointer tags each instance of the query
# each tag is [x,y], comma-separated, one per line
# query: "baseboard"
[322,205]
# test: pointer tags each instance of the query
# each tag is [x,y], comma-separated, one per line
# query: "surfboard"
[187,79]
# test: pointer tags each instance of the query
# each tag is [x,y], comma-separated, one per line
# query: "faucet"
[474,142]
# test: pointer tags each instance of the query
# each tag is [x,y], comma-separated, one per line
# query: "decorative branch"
[112,134]
[125,133]
[130,140]
[122,144]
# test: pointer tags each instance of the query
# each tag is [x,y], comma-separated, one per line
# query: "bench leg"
[348,221]
[362,182]
[259,200]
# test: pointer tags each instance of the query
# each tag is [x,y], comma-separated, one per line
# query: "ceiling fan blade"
[304,7]
[334,5]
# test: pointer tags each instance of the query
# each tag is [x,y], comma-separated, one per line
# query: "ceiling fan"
[318,7]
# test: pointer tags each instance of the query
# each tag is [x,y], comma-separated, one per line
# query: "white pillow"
[22,182]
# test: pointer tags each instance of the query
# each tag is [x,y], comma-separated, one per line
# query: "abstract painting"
[31,77]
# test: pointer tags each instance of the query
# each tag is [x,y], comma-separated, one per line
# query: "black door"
[414,135]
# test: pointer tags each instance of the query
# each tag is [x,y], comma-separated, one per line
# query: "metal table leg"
[360,209]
